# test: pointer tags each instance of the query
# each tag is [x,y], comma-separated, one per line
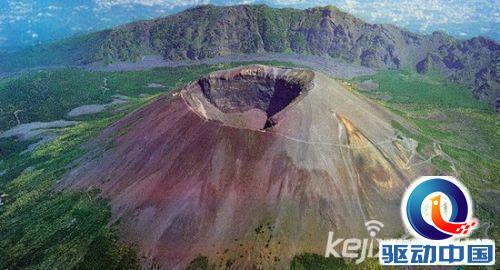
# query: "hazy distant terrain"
[30,22]
[211,31]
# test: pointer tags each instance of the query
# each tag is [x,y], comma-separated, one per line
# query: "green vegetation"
[310,261]
[408,89]
[199,263]
[50,95]
[10,146]
[455,132]
[275,28]
[44,229]
[314,261]
[195,34]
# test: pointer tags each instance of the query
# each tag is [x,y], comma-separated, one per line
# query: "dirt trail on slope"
[190,177]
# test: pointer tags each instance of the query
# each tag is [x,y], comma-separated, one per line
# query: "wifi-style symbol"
[373,227]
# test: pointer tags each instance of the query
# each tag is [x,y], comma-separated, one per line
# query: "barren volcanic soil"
[251,165]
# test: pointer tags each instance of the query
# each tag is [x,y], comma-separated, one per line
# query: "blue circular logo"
[439,228]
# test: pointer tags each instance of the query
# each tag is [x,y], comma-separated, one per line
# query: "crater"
[248,97]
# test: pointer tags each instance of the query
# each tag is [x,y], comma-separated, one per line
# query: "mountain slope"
[210,31]
[250,166]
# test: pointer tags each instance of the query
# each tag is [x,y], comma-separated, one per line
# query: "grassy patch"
[51,94]
[309,261]
[443,116]
[42,229]
[422,92]
[314,261]
[199,263]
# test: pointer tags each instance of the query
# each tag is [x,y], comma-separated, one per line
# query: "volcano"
[251,166]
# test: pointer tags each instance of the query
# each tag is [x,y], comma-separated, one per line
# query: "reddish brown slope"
[194,174]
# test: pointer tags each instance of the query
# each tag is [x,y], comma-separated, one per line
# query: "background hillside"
[24,23]
[211,31]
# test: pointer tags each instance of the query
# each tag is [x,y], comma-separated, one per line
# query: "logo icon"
[373,227]
[355,247]
[437,211]
[438,208]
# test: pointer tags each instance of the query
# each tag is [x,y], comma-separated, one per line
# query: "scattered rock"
[438,116]
[71,223]
[97,108]
[31,130]
[2,195]
[45,138]
[86,109]
[384,97]
[367,85]
[118,98]
[155,85]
